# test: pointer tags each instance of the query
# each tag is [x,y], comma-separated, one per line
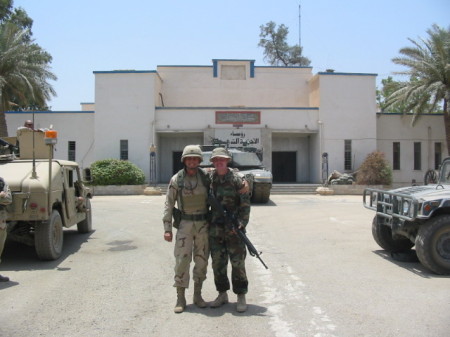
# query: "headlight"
[374,197]
[430,206]
[406,207]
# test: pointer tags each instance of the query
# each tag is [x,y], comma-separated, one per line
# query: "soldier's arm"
[171,197]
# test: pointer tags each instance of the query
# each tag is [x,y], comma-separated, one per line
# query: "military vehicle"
[247,161]
[48,194]
[416,215]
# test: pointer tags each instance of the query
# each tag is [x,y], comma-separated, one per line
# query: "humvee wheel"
[85,226]
[261,193]
[383,236]
[433,244]
[48,237]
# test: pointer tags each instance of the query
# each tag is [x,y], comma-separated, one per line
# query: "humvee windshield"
[445,173]
[246,159]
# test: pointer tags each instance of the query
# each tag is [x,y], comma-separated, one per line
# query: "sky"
[352,36]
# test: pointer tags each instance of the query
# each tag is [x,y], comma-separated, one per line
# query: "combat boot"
[221,299]
[241,305]
[198,300]
[181,301]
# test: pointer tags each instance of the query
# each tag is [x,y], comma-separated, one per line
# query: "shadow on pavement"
[408,261]
[229,308]
[17,256]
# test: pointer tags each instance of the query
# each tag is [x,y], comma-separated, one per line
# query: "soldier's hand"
[244,188]
[168,236]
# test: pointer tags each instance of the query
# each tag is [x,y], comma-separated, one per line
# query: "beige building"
[291,114]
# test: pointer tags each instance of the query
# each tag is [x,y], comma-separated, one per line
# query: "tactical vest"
[193,202]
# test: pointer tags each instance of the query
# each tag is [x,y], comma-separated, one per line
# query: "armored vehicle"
[416,215]
[247,161]
[48,194]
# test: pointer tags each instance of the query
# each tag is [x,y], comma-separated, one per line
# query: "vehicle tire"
[49,237]
[433,244]
[431,177]
[85,226]
[383,236]
[261,193]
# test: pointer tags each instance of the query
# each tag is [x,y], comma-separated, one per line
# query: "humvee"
[416,215]
[47,194]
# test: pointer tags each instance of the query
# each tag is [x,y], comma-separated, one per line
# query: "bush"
[375,170]
[116,172]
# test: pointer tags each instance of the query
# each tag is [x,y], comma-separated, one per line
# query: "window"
[71,150]
[396,156]
[417,156]
[123,149]
[437,155]
[70,177]
[348,155]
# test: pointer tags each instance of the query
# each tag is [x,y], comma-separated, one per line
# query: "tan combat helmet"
[220,152]
[192,151]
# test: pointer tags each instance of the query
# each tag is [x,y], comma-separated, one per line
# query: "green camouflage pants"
[226,246]
[191,243]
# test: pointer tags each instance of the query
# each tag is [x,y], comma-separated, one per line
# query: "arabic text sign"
[239,137]
[238,117]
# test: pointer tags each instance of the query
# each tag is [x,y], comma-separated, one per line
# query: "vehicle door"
[69,193]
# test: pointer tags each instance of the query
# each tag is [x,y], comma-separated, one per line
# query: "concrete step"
[294,188]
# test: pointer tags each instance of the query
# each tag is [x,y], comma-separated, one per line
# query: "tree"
[24,65]
[276,50]
[428,70]
[389,86]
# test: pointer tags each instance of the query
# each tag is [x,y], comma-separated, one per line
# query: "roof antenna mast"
[300,27]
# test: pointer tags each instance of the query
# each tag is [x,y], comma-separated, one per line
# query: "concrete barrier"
[125,190]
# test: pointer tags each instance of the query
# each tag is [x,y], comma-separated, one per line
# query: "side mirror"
[87,174]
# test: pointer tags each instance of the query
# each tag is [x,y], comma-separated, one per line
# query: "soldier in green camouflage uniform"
[188,188]
[5,199]
[225,244]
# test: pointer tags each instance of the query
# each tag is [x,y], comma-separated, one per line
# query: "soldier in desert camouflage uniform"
[188,188]
[225,244]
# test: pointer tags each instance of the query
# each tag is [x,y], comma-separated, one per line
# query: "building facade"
[291,114]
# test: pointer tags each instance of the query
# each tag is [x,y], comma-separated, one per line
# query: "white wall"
[125,110]
[195,86]
[428,130]
[348,112]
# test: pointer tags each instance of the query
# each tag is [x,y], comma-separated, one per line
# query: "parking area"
[326,277]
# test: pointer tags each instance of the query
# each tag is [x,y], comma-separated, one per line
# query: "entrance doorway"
[176,161]
[284,166]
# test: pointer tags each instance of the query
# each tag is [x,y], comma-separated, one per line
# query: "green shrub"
[116,172]
[375,170]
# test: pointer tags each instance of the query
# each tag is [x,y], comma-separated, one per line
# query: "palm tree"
[24,72]
[428,63]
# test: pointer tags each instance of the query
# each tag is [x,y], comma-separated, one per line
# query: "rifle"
[231,219]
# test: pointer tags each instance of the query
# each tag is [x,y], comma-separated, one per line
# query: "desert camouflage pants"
[226,246]
[191,243]
[2,239]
